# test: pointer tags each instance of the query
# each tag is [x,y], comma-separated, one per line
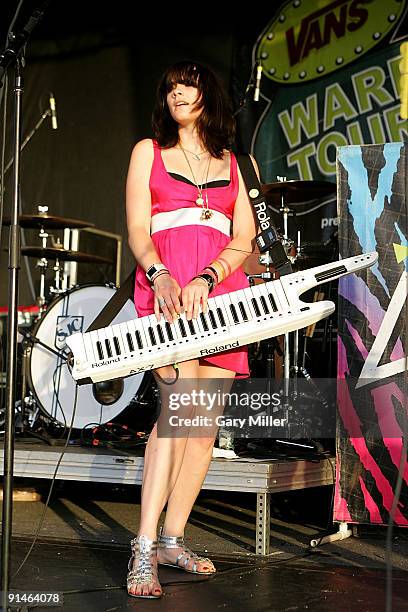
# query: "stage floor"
[92,577]
[83,550]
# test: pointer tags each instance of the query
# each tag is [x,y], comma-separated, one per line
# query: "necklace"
[207,213]
[196,156]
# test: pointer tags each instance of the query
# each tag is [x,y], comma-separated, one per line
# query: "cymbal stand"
[271,343]
[42,265]
[57,268]
[286,350]
[285,210]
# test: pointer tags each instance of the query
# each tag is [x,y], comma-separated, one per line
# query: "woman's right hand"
[166,297]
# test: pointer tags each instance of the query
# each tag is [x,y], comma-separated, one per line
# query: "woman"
[184,191]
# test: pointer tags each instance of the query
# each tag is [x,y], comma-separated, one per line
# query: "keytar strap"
[115,304]
[267,238]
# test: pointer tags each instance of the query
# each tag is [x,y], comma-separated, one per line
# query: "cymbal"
[297,191]
[49,221]
[63,255]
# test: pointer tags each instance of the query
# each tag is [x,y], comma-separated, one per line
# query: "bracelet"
[220,270]
[226,263]
[156,276]
[213,272]
[240,250]
[152,270]
[208,279]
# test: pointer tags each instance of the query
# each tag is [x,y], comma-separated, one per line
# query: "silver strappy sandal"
[142,566]
[185,555]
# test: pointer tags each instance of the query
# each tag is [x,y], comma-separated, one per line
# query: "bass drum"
[49,377]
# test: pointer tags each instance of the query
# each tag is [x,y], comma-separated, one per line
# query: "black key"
[182,328]
[234,313]
[256,307]
[221,317]
[151,334]
[160,334]
[273,303]
[243,311]
[138,339]
[168,330]
[203,321]
[191,327]
[117,347]
[264,305]
[108,347]
[130,341]
[99,349]
[212,319]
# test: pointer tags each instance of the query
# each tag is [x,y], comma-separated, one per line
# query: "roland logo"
[318,29]
[223,347]
[104,363]
[263,217]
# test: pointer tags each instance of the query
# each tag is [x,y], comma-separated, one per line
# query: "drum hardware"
[30,340]
[56,252]
[63,254]
[294,191]
[46,221]
[49,379]
[281,194]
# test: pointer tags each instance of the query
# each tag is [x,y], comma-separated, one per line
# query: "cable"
[51,487]
[114,439]
[329,520]
[211,576]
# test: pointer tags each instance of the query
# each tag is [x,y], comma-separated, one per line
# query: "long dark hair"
[215,125]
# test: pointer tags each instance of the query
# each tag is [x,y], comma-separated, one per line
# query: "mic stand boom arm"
[29,136]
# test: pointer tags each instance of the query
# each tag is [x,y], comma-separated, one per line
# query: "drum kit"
[45,386]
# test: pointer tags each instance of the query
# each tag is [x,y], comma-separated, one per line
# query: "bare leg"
[194,467]
[162,462]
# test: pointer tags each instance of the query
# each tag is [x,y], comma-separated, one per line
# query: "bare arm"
[138,205]
[138,214]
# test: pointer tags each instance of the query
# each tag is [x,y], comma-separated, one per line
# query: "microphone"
[258,82]
[53,112]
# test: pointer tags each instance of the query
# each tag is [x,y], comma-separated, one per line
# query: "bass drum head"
[49,376]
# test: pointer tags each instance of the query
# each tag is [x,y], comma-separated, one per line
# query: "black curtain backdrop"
[103,69]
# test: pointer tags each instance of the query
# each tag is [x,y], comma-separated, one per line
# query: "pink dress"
[186,250]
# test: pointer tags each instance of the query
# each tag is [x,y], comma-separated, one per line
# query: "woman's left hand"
[194,294]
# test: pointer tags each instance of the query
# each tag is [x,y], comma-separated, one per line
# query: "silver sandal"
[142,566]
[185,556]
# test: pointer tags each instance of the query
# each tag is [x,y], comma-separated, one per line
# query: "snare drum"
[49,377]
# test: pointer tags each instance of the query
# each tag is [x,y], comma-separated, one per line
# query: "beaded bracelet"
[214,272]
[220,270]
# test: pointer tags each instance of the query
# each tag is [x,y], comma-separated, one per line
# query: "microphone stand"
[13,54]
[14,267]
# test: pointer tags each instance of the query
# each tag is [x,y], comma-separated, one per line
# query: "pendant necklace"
[196,156]
[207,213]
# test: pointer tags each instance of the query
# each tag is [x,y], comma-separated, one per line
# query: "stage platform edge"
[260,476]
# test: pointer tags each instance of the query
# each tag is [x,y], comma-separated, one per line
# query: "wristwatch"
[209,279]
[153,270]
